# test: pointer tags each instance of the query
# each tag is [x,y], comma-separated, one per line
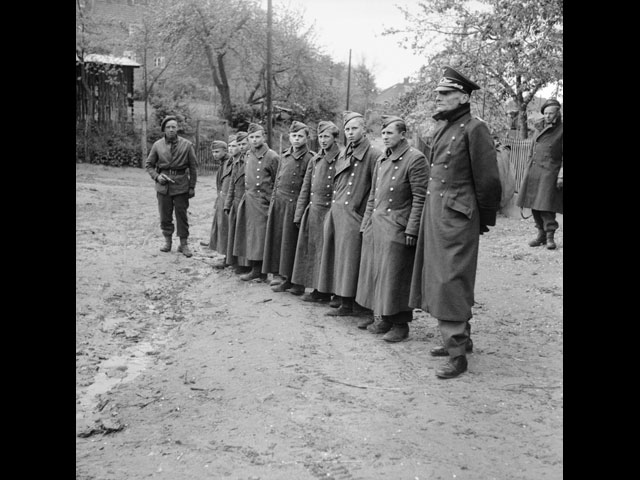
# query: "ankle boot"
[541,239]
[184,248]
[551,244]
[167,244]
[256,272]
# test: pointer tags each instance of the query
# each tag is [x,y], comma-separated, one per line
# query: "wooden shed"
[104,90]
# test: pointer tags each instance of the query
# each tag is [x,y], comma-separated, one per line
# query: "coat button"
[346,203]
[453,138]
[428,192]
[446,166]
[443,180]
[388,209]
[391,189]
[442,194]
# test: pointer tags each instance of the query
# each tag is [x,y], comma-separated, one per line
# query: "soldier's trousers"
[399,318]
[455,336]
[545,220]
[167,204]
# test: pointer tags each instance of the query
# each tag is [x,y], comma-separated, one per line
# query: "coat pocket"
[460,204]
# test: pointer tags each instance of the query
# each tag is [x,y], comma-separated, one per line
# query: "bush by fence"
[116,149]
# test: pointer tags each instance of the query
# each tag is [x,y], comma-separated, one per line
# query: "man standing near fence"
[172,165]
[463,196]
[541,189]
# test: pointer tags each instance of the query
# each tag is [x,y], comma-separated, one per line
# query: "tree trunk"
[524,129]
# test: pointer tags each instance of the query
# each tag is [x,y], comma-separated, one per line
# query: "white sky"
[341,25]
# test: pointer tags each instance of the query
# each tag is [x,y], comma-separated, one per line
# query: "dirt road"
[185,372]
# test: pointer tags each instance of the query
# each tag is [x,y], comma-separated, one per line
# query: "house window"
[159,62]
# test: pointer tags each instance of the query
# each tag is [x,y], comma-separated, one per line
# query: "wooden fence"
[206,164]
[519,156]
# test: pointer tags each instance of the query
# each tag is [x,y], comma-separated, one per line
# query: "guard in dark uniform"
[172,165]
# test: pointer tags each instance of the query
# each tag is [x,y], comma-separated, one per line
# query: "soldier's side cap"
[232,138]
[454,80]
[296,125]
[254,127]
[241,136]
[218,144]
[348,116]
[389,119]
[552,102]
[166,119]
[326,124]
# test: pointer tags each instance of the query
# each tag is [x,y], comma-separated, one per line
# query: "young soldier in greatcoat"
[342,241]
[172,164]
[463,196]
[541,189]
[313,204]
[389,232]
[260,171]
[220,224]
[282,233]
[231,203]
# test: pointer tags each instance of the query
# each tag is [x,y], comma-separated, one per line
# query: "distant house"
[388,97]
[107,96]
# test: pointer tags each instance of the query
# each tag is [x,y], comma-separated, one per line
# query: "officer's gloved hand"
[487,219]
[410,240]
[192,192]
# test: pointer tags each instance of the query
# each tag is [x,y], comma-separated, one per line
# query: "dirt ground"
[186,372]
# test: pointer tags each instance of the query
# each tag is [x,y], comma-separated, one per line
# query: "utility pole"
[348,79]
[269,47]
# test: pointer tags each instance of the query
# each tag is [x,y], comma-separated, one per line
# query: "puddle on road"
[133,364]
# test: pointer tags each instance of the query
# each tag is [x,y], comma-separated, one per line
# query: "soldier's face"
[171,129]
[354,130]
[218,153]
[450,100]
[391,136]
[326,140]
[551,114]
[234,148]
[298,139]
[256,139]
[244,145]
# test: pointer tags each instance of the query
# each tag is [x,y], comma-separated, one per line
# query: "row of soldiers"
[374,234]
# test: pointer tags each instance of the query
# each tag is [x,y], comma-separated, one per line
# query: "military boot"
[454,367]
[398,332]
[167,244]
[256,272]
[541,239]
[183,248]
[551,244]
[381,327]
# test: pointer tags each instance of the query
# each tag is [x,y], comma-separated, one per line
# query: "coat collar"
[297,155]
[359,150]
[399,150]
[455,114]
[260,152]
[330,155]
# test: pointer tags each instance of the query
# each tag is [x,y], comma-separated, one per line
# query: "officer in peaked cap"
[464,185]
[454,80]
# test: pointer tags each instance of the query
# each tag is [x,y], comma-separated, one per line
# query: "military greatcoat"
[314,202]
[282,234]
[231,203]
[260,171]
[464,184]
[220,225]
[539,190]
[340,262]
[393,211]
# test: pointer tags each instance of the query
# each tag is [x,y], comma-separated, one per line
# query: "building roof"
[110,59]
[394,92]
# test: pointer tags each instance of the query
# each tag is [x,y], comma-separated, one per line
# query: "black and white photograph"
[319,239]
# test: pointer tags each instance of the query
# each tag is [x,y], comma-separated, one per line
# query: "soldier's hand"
[297,224]
[161,179]
[559,182]
[483,229]
[226,211]
[410,240]
[192,192]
